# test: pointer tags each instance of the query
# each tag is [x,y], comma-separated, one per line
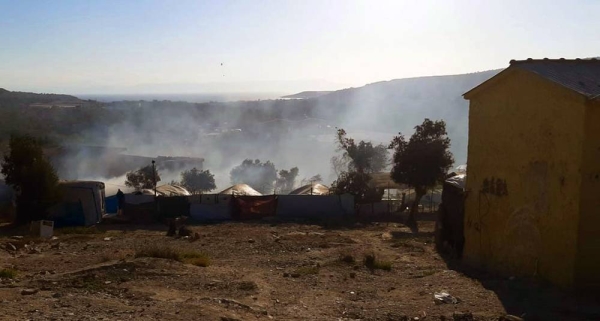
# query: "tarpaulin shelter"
[451,215]
[82,204]
[254,207]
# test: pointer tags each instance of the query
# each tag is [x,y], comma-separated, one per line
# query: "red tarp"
[254,207]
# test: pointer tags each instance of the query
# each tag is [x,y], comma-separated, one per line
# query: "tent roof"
[167,190]
[240,189]
[317,189]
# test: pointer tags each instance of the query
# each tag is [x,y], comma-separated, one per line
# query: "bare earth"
[259,271]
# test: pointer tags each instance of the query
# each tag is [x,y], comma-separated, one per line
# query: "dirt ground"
[260,271]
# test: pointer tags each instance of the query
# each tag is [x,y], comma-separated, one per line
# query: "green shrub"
[8,273]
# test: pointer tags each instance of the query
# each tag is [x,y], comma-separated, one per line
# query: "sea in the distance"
[192,98]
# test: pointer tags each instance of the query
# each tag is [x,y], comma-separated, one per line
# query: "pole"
[154,176]
[431,202]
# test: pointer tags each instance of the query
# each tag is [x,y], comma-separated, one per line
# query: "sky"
[108,47]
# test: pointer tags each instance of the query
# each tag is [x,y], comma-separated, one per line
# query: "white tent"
[240,190]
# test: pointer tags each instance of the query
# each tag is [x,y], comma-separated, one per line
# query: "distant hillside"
[306,95]
[17,98]
[399,105]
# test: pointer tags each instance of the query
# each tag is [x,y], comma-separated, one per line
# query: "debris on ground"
[29,291]
[445,297]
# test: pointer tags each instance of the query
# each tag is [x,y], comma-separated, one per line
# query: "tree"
[33,178]
[314,179]
[362,157]
[142,178]
[286,181]
[198,181]
[355,165]
[357,184]
[423,161]
[260,176]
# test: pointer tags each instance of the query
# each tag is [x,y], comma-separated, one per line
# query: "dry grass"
[169,253]
[347,258]
[158,251]
[247,286]
[8,273]
[78,230]
[373,263]
[195,258]
[307,270]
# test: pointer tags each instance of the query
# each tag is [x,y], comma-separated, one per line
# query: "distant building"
[533,183]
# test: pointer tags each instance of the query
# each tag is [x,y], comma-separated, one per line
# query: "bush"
[8,273]
[372,263]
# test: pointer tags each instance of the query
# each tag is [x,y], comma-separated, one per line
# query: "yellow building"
[533,183]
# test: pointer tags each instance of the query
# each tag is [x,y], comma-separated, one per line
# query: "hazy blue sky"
[127,46]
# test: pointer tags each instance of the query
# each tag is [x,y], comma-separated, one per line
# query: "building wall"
[525,137]
[587,274]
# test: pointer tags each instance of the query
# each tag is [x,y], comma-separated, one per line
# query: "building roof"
[579,75]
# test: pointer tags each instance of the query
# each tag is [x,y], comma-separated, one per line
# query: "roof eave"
[469,94]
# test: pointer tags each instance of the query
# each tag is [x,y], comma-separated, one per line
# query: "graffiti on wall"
[495,186]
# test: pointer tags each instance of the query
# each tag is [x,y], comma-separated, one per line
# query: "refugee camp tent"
[82,204]
[167,190]
[311,189]
[240,190]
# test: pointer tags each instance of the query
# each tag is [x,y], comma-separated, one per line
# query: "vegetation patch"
[169,253]
[89,282]
[79,230]
[306,270]
[158,251]
[8,273]
[247,286]
[373,263]
[195,258]
[409,246]
[347,258]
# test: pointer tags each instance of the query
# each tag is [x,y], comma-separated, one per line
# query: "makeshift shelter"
[449,227]
[311,189]
[82,204]
[240,190]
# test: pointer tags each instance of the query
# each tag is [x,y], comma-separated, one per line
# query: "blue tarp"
[112,204]
[67,214]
